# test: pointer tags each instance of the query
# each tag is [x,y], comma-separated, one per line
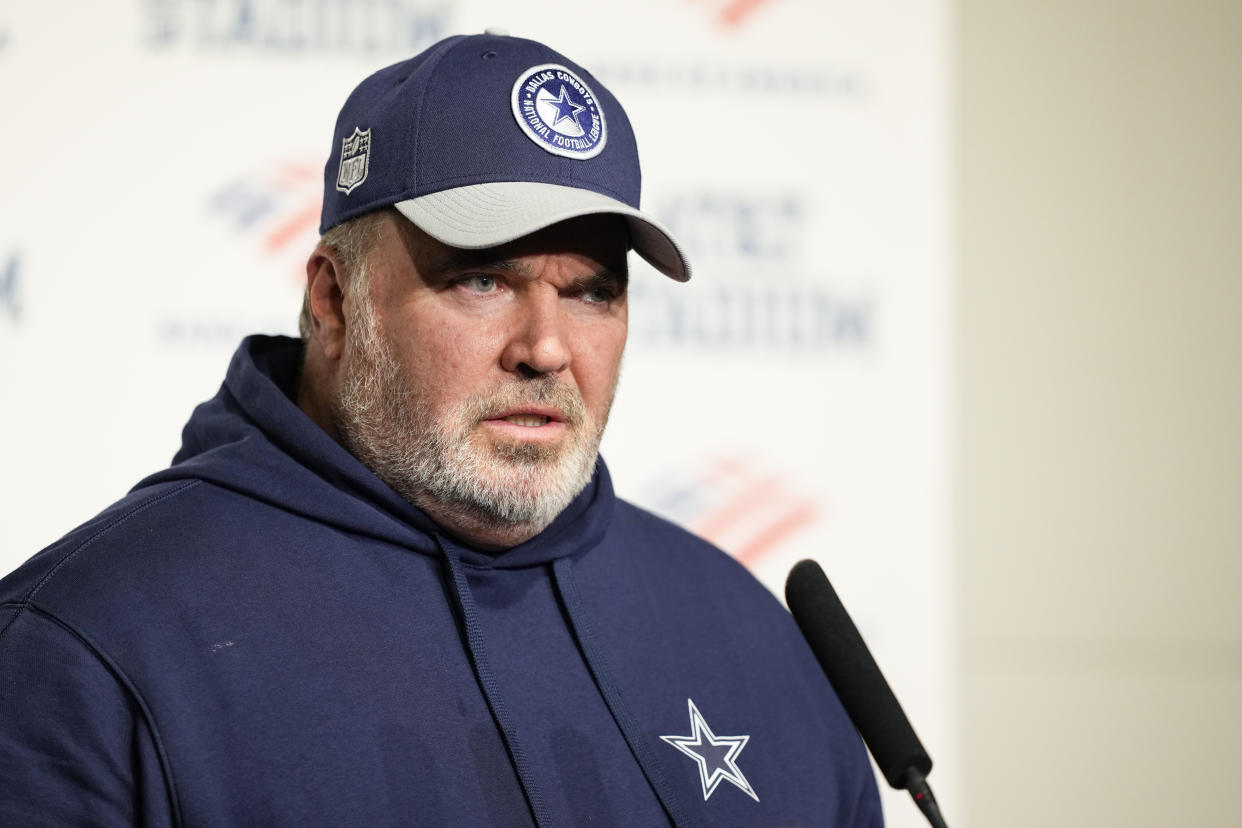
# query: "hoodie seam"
[73,553]
[125,682]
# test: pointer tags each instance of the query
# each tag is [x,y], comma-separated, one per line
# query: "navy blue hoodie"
[267,634]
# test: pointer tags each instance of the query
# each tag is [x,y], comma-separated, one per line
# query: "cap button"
[496,31]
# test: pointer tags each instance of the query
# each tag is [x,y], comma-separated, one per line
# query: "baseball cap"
[483,139]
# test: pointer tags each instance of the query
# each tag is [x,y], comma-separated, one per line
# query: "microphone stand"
[916,784]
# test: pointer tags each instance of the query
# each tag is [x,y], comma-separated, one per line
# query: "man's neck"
[312,399]
[483,533]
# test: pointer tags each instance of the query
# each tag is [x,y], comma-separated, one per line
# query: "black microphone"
[859,684]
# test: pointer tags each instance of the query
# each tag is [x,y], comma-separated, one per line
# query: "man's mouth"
[537,418]
[526,420]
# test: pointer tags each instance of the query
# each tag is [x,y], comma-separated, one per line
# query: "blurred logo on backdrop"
[734,77]
[277,210]
[296,26]
[273,214]
[730,13]
[749,512]
[759,293]
[10,289]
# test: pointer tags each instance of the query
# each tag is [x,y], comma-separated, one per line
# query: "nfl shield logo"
[355,160]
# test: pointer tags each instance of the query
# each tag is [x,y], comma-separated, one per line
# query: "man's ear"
[326,297]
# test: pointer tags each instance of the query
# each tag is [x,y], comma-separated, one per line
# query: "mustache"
[543,391]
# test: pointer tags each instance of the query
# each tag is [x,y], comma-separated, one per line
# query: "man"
[386,580]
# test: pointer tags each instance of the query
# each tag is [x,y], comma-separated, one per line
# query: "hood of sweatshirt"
[253,439]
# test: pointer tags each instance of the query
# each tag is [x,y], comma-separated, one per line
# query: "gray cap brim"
[488,215]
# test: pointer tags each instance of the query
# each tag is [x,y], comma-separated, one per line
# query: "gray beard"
[444,462]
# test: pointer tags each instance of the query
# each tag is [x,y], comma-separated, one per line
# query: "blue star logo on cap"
[566,109]
[557,110]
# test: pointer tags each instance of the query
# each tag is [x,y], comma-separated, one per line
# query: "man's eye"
[479,283]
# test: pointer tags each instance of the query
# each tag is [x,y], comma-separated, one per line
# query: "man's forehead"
[604,238]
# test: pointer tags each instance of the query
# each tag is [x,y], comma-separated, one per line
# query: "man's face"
[478,383]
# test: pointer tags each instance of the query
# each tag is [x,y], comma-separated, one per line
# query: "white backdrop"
[163,163]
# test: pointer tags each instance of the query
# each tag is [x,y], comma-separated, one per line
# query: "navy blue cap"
[483,139]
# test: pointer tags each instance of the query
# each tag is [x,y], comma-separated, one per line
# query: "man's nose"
[539,343]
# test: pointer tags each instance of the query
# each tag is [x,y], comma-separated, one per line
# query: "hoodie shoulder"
[87,549]
[655,556]
[660,542]
[646,523]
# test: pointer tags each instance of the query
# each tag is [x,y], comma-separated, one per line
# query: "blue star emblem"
[566,109]
[715,755]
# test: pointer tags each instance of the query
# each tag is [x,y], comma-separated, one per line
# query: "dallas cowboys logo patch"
[559,112]
[355,160]
[716,756]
